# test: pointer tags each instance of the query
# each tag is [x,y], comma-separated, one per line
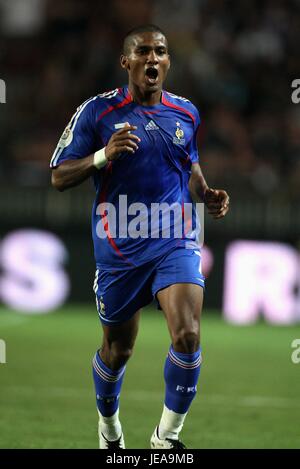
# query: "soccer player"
[138,143]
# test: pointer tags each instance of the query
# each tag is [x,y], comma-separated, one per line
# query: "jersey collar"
[129,99]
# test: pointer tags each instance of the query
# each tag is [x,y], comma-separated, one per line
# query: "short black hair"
[146,28]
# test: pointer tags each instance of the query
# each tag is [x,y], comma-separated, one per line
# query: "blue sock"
[107,386]
[181,374]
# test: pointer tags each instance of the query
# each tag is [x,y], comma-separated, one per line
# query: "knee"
[122,355]
[117,356]
[186,340]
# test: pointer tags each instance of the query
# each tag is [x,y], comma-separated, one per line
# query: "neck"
[144,98]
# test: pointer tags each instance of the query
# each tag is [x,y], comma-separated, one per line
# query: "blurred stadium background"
[236,61]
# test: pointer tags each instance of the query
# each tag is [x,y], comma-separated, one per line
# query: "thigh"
[122,334]
[120,338]
[178,288]
[182,306]
[118,342]
[120,294]
[179,266]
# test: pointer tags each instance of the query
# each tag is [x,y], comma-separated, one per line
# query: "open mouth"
[151,75]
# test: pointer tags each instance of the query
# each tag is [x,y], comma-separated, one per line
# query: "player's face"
[147,61]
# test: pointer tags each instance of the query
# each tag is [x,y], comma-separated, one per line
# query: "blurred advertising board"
[246,279]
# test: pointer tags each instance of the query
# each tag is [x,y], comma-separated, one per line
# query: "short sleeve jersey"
[140,197]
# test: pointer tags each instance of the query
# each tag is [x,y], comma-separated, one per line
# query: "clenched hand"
[120,141]
[217,202]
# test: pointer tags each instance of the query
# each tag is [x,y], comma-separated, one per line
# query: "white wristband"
[100,159]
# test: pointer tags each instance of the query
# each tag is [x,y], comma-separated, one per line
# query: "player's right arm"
[77,155]
[72,172]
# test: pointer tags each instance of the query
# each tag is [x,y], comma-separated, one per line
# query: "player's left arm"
[216,200]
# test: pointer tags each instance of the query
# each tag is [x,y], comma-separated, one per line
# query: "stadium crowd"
[235,60]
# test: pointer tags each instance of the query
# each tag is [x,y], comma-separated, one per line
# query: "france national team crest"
[102,306]
[179,140]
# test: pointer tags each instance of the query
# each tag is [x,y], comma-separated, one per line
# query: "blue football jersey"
[135,192]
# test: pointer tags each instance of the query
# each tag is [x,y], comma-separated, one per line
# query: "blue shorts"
[121,293]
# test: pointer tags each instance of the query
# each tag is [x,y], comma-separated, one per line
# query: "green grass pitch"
[248,394]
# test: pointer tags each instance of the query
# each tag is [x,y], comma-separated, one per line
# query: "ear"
[124,62]
[169,65]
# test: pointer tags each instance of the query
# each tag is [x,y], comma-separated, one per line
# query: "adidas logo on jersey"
[151,126]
